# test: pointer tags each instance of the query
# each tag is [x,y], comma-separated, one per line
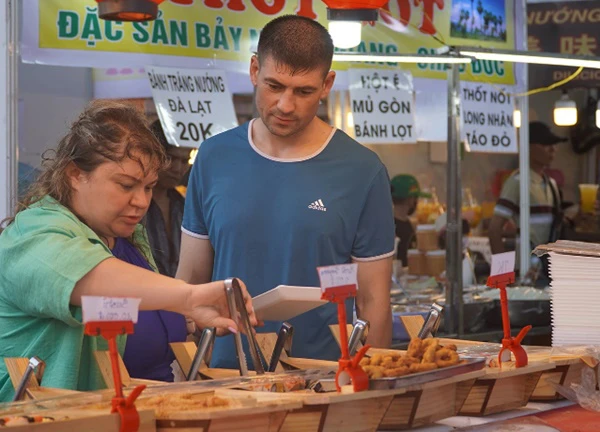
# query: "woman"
[84,210]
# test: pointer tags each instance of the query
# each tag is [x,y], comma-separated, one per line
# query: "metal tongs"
[204,352]
[237,310]
[358,336]
[432,322]
[284,342]
[34,363]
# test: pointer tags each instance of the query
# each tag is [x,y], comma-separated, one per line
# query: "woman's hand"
[209,307]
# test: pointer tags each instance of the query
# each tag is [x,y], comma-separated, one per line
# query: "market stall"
[434,379]
[79,39]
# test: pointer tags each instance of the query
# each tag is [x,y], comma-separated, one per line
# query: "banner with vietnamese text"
[223,34]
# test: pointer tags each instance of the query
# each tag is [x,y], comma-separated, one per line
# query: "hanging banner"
[382,106]
[218,34]
[192,105]
[487,119]
[569,27]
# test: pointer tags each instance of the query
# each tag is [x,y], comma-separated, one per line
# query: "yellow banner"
[229,29]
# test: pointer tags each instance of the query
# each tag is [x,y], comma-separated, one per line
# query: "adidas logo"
[317,205]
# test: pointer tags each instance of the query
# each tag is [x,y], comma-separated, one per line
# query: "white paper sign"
[382,106]
[431,109]
[110,308]
[503,263]
[487,119]
[337,275]
[192,104]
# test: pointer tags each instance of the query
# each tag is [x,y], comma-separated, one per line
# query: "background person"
[163,220]
[405,196]
[546,215]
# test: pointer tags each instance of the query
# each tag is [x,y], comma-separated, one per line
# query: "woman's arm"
[206,304]
[116,278]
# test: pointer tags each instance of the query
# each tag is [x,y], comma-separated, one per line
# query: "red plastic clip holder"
[109,330]
[349,368]
[509,344]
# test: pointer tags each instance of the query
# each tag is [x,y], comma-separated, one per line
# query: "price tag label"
[503,263]
[110,308]
[337,275]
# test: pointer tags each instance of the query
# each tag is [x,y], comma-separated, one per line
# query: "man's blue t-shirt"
[273,221]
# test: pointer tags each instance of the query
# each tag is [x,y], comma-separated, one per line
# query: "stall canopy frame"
[8,105]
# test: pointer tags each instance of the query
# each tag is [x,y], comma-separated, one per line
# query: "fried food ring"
[374,372]
[428,342]
[407,361]
[430,353]
[422,367]
[396,372]
[414,348]
[365,361]
[451,347]
[446,357]
[376,359]
[388,362]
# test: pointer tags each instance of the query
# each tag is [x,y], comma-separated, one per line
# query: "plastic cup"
[435,262]
[588,194]
[427,238]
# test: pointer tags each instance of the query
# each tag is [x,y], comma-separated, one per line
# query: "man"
[163,220]
[545,204]
[273,199]
[405,196]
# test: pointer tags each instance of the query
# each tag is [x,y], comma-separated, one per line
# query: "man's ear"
[327,85]
[254,68]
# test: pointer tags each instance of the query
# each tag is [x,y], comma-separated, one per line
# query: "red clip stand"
[349,368]
[509,343]
[109,330]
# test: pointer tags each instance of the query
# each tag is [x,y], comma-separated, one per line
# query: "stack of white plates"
[575,299]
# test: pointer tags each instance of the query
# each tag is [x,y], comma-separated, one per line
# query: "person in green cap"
[405,196]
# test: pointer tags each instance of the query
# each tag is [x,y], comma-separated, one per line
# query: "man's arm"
[373,300]
[496,230]
[196,259]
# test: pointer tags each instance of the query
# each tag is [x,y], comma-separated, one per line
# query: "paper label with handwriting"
[110,308]
[503,263]
[337,275]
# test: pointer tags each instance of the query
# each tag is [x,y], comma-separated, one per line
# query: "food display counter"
[435,385]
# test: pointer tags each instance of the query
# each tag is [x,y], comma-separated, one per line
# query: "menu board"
[487,119]
[383,106]
[192,105]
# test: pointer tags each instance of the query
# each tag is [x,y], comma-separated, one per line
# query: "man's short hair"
[298,43]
